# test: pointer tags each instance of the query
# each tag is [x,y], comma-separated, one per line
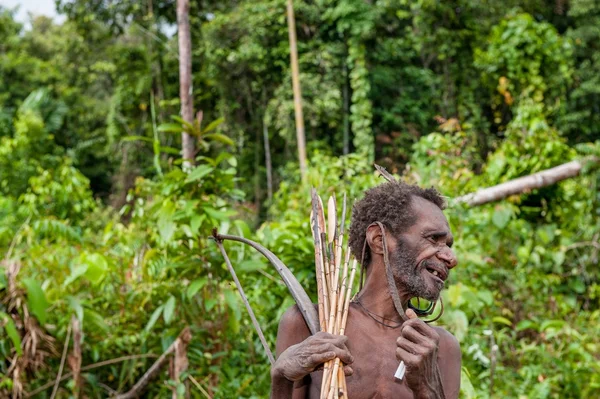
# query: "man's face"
[422,258]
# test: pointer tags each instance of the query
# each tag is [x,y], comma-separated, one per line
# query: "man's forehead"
[429,215]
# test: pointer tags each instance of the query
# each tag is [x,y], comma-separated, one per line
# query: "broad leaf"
[218,137]
[169,310]
[11,331]
[153,318]
[36,299]
[196,286]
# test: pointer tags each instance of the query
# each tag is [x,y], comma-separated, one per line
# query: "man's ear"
[374,239]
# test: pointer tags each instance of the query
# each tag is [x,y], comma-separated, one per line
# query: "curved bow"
[302,299]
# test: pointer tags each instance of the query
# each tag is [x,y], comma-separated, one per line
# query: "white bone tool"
[400,372]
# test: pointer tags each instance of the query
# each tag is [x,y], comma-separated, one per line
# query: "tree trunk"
[268,162]
[525,184]
[346,110]
[300,137]
[185,77]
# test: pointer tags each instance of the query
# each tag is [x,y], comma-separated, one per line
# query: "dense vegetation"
[99,223]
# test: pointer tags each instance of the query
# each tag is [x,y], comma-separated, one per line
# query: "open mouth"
[437,272]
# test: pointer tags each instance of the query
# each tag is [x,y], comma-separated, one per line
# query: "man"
[401,225]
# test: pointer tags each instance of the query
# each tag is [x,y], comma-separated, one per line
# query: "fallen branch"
[183,339]
[89,367]
[526,183]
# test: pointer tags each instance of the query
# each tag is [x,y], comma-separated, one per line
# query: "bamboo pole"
[300,137]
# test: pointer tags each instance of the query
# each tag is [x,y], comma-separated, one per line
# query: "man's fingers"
[330,353]
[405,356]
[411,314]
[414,336]
[421,327]
[348,371]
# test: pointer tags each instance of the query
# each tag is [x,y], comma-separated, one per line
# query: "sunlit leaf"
[11,331]
[198,173]
[166,225]
[36,299]
[170,128]
[196,286]
[218,137]
[153,318]
[502,320]
[169,310]
[213,125]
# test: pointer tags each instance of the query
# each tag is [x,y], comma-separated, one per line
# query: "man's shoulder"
[293,319]
[447,340]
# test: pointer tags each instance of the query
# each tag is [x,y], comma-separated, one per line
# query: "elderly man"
[400,228]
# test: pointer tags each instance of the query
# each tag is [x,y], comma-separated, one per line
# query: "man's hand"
[418,348]
[301,359]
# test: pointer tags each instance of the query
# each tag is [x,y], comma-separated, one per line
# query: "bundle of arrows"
[333,284]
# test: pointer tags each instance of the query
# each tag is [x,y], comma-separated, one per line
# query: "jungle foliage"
[98,221]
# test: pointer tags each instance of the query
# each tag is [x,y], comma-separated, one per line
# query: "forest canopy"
[104,226]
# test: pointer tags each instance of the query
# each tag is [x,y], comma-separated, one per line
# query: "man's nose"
[447,255]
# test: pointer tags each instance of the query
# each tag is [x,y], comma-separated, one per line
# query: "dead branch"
[525,184]
[184,339]
[89,367]
[74,360]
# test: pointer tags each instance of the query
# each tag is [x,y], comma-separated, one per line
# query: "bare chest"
[374,367]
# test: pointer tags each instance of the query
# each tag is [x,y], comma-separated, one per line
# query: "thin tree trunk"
[525,184]
[268,162]
[346,94]
[185,77]
[300,137]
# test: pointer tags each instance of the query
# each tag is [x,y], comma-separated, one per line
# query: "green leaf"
[210,303]
[153,318]
[501,217]
[218,137]
[11,331]
[169,310]
[467,391]
[97,266]
[95,319]
[170,128]
[198,173]
[526,324]
[552,324]
[196,286]
[251,265]
[187,126]
[36,299]
[502,320]
[170,150]
[166,225]
[78,271]
[457,323]
[217,214]
[213,125]
[196,222]
[138,138]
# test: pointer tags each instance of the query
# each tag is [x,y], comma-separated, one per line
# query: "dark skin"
[372,351]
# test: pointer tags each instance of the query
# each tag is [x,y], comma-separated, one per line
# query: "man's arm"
[299,353]
[292,330]
[449,363]
[432,357]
